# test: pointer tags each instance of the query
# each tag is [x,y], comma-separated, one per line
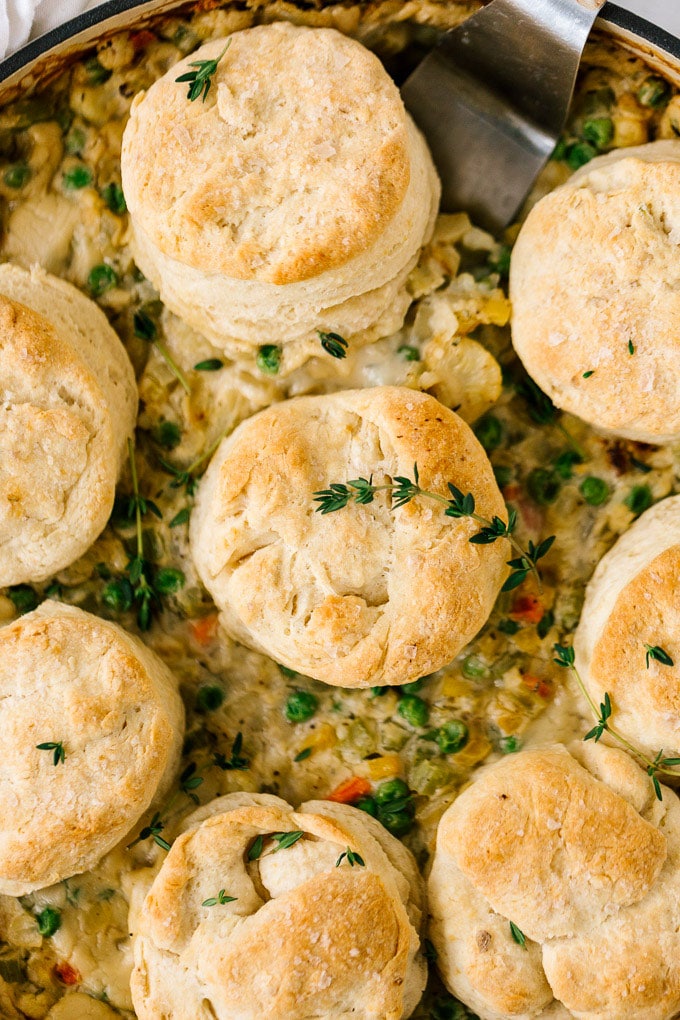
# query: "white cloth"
[24,19]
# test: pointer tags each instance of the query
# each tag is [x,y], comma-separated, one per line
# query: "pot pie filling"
[401,754]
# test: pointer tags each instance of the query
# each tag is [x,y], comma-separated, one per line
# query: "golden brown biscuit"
[582,860]
[631,606]
[310,931]
[367,595]
[68,402]
[295,198]
[593,284]
[72,679]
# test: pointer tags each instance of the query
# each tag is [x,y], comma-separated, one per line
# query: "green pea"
[49,921]
[452,736]
[599,131]
[393,789]
[489,432]
[117,595]
[509,745]
[653,92]
[167,434]
[368,805]
[23,597]
[473,667]
[169,580]
[114,198]
[77,177]
[96,73]
[17,175]
[269,359]
[560,150]
[414,710]
[564,463]
[543,486]
[397,822]
[409,353]
[209,698]
[594,490]
[301,706]
[508,626]
[101,279]
[639,499]
[413,687]
[285,671]
[580,153]
[75,142]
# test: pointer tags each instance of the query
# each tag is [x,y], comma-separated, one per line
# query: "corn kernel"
[385,767]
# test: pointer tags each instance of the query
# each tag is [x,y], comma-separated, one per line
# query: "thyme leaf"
[56,746]
[237,762]
[518,935]
[658,654]
[154,829]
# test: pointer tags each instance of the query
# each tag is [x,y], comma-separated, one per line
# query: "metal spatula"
[492,99]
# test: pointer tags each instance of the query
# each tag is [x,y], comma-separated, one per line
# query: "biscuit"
[71,678]
[584,864]
[631,605]
[367,595]
[593,283]
[68,402]
[309,931]
[295,198]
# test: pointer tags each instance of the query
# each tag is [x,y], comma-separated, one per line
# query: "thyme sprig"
[237,762]
[153,829]
[57,747]
[145,329]
[200,80]
[333,344]
[139,570]
[186,477]
[189,781]
[403,489]
[221,897]
[352,858]
[542,411]
[564,657]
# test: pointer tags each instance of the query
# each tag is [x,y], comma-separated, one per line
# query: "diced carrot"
[537,685]
[511,491]
[350,790]
[204,629]
[142,38]
[67,974]
[527,608]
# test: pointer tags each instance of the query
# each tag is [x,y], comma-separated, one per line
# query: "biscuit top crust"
[293,165]
[57,454]
[594,290]
[631,605]
[555,889]
[71,678]
[369,594]
[307,934]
